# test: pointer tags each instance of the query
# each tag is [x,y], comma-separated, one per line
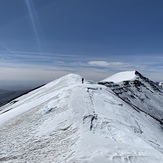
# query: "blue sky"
[41,40]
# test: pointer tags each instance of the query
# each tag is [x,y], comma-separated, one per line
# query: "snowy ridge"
[66,121]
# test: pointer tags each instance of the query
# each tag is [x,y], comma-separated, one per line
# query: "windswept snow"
[121,76]
[66,121]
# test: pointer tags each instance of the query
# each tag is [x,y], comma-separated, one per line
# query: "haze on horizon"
[41,40]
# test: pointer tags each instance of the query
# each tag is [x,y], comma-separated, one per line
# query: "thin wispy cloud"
[105,63]
[114,63]
[34,21]
[99,63]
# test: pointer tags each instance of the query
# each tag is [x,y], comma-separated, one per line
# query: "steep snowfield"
[67,122]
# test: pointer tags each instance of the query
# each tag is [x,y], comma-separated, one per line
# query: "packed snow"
[66,121]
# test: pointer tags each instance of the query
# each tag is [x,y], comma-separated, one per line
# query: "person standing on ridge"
[82,80]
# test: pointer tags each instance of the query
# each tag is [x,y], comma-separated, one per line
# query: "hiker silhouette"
[82,80]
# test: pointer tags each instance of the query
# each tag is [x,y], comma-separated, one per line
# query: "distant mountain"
[118,120]
[8,95]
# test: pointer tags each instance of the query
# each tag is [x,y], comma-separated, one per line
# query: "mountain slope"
[66,121]
[139,92]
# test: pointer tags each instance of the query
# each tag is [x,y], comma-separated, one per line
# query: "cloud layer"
[39,68]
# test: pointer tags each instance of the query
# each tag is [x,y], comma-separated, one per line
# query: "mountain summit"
[66,121]
[122,76]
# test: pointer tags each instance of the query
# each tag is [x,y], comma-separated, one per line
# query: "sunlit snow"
[121,76]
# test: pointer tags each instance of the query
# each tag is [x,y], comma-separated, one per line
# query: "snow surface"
[121,76]
[66,121]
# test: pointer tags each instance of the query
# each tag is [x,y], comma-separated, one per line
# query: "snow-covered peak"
[121,76]
[74,77]
[66,80]
[71,78]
